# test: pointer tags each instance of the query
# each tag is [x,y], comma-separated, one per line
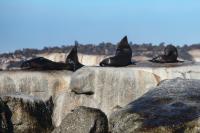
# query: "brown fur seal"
[122,56]
[170,55]
[72,59]
[41,63]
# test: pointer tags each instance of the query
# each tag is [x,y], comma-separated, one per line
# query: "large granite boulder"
[107,88]
[186,69]
[173,106]
[25,114]
[103,88]
[111,88]
[84,120]
[41,84]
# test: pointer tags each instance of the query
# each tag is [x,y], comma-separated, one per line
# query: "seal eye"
[25,65]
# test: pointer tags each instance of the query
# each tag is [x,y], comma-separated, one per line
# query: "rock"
[195,54]
[110,87]
[25,114]
[187,69]
[106,88]
[173,106]
[5,118]
[84,120]
[42,84]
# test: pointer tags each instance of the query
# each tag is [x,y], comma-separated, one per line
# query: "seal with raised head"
[170,55]
[41,63]
[122,56]
[72,59]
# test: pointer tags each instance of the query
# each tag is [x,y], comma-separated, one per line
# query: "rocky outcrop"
[112,88]
[187,69]
[84,120]
[195,54]
[42,84]
[25,114]
[109,88]
[173,106]
[106,88]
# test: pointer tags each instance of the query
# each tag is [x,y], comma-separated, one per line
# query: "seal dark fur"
[72,59]
[122,56]
[170,55]
[41,63]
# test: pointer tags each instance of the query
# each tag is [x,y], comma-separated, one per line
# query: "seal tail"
[123,43]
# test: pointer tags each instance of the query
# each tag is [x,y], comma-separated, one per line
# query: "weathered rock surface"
[187,69]
[171,107]
[25,114]
[42,84]
[105,88]
[84,120]
[195,54]
[110,88]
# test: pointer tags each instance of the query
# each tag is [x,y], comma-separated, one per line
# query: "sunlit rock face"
[42,84]
[111,88]
[106,88]
[195,54]
[171,107]
[26,114]
[187,69]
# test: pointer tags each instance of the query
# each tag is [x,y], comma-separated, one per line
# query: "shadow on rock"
[173,106]
[24,114]
[6,125]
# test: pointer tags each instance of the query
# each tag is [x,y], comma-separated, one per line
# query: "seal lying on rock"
[41,63]
[122,56]
[170,55]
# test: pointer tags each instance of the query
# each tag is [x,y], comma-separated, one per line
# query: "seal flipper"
[157,59]
[72,59]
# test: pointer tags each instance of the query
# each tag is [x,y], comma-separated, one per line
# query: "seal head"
[72,59]
[170,55]
[41,63]
[122,56]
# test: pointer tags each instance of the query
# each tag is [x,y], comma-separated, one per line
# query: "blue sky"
[39,23]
